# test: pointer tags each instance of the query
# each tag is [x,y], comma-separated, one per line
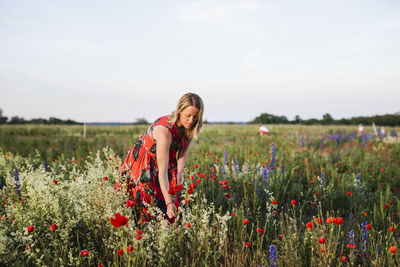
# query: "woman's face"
[189,116]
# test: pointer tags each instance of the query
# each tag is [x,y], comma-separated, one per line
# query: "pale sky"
[102,61]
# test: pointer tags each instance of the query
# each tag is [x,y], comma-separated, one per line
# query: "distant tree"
[2,119]
[269,118]
[141,121]
[297,119]
[54,121]
[16,120]
[311,121]
[327,119]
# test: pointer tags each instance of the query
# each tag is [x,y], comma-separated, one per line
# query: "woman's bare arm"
[163,139]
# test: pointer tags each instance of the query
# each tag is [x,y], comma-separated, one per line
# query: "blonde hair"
[187,100]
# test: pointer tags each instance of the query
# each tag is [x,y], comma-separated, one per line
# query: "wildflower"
[138,231]
[247,245]
[17,182]
[198,181]
[309,225]
[100,265]
[233,214]
[364,237]
[348,193]
[129,249]
[272,255]
[293,202]
[368,226]
[53,227]
[338,220]
[27,246]
[55,182]
[105,178]
[274,202]
[30,228]
[246,221]
[365,214]
[121,252]
[119,220]
[84,253]
[228,195]
[191,188]
[130,203]
[322,240]
[391,228]
[351,245]
[392,249]
[138,237]
[318,220]
[386,205]
[331,220]
[196,166]
[260,231]
[382,169]
[188,225]
[344,258]
[391,202]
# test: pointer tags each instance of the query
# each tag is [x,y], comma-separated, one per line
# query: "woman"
[153,169]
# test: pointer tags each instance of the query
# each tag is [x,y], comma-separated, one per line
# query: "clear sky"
[122,60]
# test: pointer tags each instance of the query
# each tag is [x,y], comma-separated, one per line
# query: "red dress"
[140,169]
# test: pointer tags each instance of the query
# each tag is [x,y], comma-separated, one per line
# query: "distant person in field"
[263,130]
[360,129]
[153,169]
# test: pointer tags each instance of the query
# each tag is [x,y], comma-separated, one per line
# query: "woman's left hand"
[179,178]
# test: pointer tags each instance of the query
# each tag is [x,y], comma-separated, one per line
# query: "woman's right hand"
[171,210]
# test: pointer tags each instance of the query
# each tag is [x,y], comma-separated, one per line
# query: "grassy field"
[302,195]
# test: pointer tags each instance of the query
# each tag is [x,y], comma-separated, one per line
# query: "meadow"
[299,196]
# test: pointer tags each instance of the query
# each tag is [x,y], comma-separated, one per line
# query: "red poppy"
[119,220]
[392,249]
[196,166]
[382,169]
[228,195]
[55,181]
[53,227]
[84,253]
[274,202]
[365,214]
[27,247]
[391,228]
[322,240]
[188,225]
[246,221]
[139,232]
[30,228]
[344,258]
[351,245]
[349,193]
[247,245]
[100,265]
[138,237]
[105,178]
[129,249]
[130,203]
[318,220]
[121,252]
[311,182]
[293,202]
[368,226]
[233,214]
[309,225]
[339,220]
[331,220]
[261,231]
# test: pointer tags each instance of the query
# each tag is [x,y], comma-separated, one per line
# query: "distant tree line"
[327,119]
[19,120]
